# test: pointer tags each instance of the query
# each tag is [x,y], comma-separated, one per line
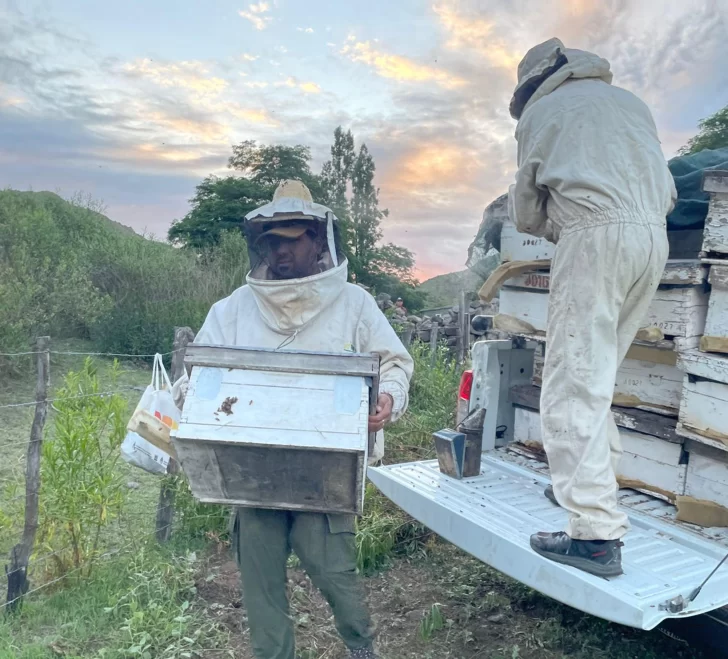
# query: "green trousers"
[325,545]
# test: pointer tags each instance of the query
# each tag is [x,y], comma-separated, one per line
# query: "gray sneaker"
[363,653]
[602,558]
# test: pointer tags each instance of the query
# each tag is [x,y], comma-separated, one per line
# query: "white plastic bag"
[156,402]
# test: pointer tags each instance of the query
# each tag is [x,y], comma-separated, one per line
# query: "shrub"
[81,490]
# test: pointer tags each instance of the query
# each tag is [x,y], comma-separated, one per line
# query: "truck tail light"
[466,385]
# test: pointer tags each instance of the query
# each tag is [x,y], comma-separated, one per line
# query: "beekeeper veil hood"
[547,66]
[291,210]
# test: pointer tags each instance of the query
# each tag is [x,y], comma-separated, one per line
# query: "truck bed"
[493,515]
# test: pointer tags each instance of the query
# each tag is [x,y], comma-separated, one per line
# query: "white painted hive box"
[647,463]
[704,406]
[678,309]
[715,234]
[277,429]
[715,338]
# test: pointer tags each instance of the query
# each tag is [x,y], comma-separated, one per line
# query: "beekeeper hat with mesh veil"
[291,213]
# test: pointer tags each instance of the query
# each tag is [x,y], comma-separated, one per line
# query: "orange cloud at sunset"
[478,34]
[398,67]
[189,75]
[433,167]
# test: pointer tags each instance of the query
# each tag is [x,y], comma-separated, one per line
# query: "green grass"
[140,601]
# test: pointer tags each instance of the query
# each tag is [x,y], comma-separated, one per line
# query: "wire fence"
[21,494]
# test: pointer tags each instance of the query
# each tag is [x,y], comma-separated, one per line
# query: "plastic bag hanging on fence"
[147,443]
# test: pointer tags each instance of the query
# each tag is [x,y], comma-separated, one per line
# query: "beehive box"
[678,309]
[715,338]
[715,234]
[517,246]
[648,463]
[707,474]
[277,429]
[704,406]
[648,379]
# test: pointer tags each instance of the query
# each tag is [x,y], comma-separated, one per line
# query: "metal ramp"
[493,515]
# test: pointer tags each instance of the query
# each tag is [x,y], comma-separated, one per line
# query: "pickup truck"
[671,406]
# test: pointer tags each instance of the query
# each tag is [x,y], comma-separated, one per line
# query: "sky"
[135,102]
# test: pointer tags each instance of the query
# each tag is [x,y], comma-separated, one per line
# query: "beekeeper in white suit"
[297,297]
[592,179]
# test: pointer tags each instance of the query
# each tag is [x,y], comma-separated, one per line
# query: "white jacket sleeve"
[376,335]
[526,199]
[212,333]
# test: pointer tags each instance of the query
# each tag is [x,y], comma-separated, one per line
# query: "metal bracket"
[675,605]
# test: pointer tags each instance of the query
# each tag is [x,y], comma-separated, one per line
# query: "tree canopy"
[713,134]
[346,185]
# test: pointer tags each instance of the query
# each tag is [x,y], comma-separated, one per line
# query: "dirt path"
[482,615]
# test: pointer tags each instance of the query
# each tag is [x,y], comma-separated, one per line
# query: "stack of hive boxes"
[671,395]
[703,416]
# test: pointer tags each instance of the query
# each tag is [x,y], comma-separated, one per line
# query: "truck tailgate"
[492,516]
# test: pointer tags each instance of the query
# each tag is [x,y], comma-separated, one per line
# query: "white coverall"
[591,178]
[320,313]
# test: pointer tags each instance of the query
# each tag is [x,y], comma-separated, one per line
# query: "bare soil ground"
[483,615]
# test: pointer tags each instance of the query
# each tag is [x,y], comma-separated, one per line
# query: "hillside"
[444,290]
[67,271]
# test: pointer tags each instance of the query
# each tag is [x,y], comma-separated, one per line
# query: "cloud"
[255,14]
[397,67]
[478,34]
[249,58]
[307,30]
[189,75]
[293,83]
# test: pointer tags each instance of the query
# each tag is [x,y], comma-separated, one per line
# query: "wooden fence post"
[433,343]
[165,507]
[464,318]
[20,555]
[406,335]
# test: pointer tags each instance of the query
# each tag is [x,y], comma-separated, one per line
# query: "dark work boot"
[549,494]
[602,558]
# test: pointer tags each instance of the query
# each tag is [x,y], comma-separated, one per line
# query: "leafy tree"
[713,134]
[221,203]
[366,217]
[269,165]
[387,268]
[336,173]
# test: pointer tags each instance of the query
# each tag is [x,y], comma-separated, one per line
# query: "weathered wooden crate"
[277,429]
[648,379]
[706,479]
[678,309]
[704,406]
[715,234]
[648,463]
[715,338]
[517,246]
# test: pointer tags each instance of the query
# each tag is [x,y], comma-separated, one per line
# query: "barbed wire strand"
[88,354]
[58,400]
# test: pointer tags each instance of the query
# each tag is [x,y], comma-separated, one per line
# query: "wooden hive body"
[277,429]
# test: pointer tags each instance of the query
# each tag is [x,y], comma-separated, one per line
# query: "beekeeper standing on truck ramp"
[297,297]
[592,179]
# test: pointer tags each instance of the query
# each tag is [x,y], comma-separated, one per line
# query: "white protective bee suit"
[321,313]
[591,178]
